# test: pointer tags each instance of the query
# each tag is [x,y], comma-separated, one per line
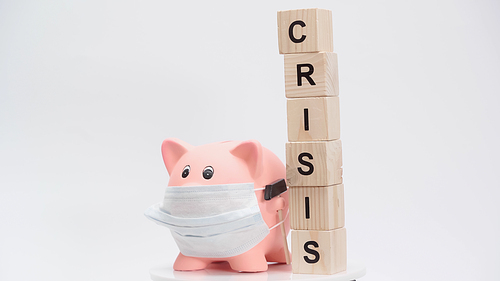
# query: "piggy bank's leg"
[184,263]
[277,256]
[251,261]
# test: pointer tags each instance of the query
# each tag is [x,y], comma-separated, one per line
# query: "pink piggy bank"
[215,205]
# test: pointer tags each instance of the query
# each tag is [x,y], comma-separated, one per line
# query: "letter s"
[305,163]
[311,251]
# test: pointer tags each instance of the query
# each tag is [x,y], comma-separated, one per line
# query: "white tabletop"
[222,272]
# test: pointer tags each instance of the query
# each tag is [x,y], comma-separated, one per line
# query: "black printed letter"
[308,214]
[290,31]
[305,163]
[307,74]
[311,251]
[306,119]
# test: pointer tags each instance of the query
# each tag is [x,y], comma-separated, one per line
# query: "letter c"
[290,31]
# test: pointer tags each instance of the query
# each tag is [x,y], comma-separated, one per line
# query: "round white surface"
[222,272]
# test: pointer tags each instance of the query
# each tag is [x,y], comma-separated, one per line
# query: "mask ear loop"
[272,190]
[280,222]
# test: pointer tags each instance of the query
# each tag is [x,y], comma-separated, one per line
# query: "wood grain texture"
[316,163]
[324,209]
[325,75]
[328,257]
[318,30]
[321,123]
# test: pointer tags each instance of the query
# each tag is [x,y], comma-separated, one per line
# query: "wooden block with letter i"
[319,252]
[317,208]
[305,31]
[313,119]
[315,163]
[311,75]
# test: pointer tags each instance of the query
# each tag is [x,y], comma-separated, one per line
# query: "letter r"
[307,74]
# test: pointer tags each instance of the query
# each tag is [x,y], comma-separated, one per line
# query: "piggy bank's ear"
[172,150]
[251,152]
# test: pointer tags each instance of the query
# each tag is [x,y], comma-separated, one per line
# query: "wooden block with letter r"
[317,208]
[313,119]
[319,252]
[315,163]
[305,31]
[311,75]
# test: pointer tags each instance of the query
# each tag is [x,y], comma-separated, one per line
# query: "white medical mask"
[212,221]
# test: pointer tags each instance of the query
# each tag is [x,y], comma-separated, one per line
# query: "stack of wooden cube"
[313,151]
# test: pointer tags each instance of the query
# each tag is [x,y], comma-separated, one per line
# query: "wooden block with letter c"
[319,252]
[305,31]
[315,163]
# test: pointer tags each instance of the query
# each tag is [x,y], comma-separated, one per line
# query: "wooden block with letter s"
[315,163]
[305,31]
[319,252]
[313,119]
[317,208]
[311,75]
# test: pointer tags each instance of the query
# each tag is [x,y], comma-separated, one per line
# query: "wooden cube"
[319,252]
[316,163]
[317,208]
[311,75]
[305,31]
[313,119]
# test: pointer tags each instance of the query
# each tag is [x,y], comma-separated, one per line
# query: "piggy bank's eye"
[208,172]
[185,172]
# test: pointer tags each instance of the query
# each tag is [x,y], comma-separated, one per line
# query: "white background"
[89,90]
